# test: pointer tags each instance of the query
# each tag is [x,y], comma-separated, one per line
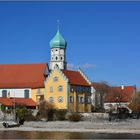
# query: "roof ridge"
[25,63]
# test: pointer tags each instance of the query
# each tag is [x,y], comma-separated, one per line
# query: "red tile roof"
[22,101]
[22,75]
[75,78]
[124,95]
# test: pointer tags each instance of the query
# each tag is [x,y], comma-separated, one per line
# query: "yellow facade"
[37,93]
[76,106]
[52,85]
[58,92]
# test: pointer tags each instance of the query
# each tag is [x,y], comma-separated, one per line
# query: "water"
[63,135]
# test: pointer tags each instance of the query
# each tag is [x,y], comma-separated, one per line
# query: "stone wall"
[94,116]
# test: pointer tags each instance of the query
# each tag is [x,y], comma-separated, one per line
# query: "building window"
[51,100]
[82,89]
[88,100]
[60,99]
[51,89]
[26,93]
[60,88]
[56,50]
[72,88]
[76,88]
[61,58]
[81,99]
[9,94]
[55,79]
[56,58]
[71,99]
[38,91]
[4,93]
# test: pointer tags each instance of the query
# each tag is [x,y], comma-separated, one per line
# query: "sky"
[103,37]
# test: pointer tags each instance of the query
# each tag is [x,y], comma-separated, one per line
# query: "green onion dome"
[58,41]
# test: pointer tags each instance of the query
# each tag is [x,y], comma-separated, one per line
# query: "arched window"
[55,79]
[60,88]
[56,58]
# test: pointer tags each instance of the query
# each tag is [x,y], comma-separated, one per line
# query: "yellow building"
[67,89]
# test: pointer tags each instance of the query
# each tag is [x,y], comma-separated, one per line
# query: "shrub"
[75,117]
[50,114]
[60,114]
[24,114]
[45,110]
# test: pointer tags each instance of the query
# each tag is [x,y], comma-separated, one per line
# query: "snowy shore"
[100,126]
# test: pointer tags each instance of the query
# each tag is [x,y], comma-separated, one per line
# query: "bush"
[50,114]
[24,114]
[75,117]
[60,114]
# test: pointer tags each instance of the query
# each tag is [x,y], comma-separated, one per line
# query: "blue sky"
[103,37]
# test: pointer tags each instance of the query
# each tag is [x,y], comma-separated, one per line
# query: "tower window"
[56,50]
[61,58]
[56,58]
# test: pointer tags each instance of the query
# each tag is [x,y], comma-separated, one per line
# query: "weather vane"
[58,24]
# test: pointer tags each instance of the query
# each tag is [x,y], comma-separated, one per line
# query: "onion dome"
[58,41]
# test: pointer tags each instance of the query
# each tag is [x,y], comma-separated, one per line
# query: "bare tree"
[102,89]
[135,103]
[45,109]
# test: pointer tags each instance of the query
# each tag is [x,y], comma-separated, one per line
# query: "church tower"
[58,52]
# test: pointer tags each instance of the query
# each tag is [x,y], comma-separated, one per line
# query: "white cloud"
[84,66]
